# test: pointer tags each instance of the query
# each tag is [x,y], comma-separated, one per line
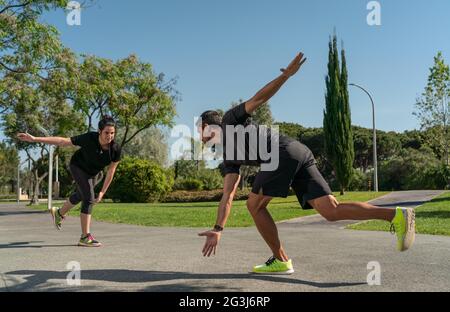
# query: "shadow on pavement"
[402,204]
[34,279]
[17,245]
[12,212]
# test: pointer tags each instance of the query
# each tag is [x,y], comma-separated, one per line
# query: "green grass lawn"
[201,214]
[431,218]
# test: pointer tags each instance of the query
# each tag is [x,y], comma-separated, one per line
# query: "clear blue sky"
[225,50]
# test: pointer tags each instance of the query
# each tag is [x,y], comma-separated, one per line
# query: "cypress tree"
[337,118]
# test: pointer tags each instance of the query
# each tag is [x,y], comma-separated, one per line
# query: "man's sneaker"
[57,217]
[404,225]
[88,241]
[274,266]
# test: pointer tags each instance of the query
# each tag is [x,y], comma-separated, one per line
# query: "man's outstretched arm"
[272,88]
[230,184]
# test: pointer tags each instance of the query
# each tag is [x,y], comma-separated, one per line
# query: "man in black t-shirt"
[293,165]
[97,151]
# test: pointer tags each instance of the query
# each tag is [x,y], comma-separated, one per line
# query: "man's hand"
[266,93]
[100,197]
[212,240]
[294,66]
[26,137]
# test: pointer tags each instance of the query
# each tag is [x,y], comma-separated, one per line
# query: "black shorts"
[298,171]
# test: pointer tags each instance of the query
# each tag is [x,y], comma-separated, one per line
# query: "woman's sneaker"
[404,225]
[274,266]
[57,218]
[88,241]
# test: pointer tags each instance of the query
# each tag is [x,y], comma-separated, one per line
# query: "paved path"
[34,256]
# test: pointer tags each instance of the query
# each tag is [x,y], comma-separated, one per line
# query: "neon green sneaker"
[274,266]
[57,218]
[404,225]
[88,241]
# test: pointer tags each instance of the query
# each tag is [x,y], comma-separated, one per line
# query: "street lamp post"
[50,168]
[375,162]
[19,193]
[18,183]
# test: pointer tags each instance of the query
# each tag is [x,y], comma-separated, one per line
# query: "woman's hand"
[100,197]
[26,137]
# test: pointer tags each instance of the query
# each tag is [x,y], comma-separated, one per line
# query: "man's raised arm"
[272,88]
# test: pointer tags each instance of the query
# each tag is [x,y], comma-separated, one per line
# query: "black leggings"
[85,189]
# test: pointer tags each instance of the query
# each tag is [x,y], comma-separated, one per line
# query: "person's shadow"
[20,245]
[34,280]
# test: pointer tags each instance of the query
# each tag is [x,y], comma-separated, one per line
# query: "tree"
[363,144]
[290,129]
[9,160]
[149,144]
[337,118]
[26,45]
[433,107]
[413,169]
[127,89]
[29,50]
[32,107]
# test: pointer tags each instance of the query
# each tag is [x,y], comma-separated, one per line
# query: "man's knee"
[252,206]
[255,202]
[331,216]
[327,206]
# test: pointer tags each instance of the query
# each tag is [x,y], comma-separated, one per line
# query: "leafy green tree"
[149,144]
[127,89]
[290,129]
[32,107]
[413,169]
[337,118]
[363,145]
[389,145]
[412,139]
[9,160]
[26,45]
[433,107]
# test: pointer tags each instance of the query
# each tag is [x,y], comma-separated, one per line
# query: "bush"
[211,179]
[188,185]
[359,181]
[413,169]
[192,176]
[140,181]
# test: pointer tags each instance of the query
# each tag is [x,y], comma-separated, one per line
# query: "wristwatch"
[218,228]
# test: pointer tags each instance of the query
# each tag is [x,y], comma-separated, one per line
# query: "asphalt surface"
[35,257]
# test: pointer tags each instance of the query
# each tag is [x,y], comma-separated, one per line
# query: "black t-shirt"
[232,163]
[91,158]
